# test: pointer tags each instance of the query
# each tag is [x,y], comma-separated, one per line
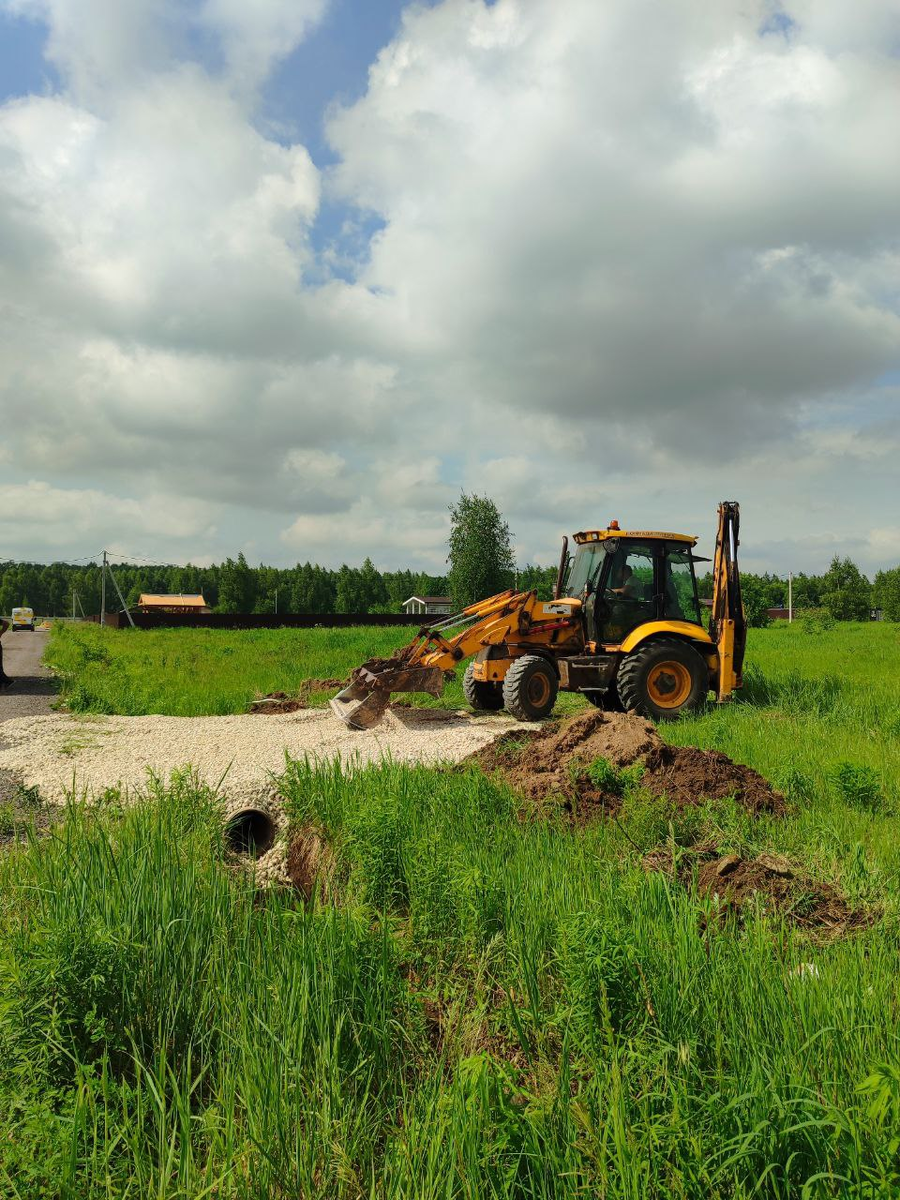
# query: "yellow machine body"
[523,649]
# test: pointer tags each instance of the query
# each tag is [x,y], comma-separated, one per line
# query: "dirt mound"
[537,764]
[769,881]
[554,760]
[685,774]
[274,702]
[309,860]
[281,702]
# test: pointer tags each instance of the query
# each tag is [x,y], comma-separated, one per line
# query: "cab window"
[585,566]
[679,588]
[628,593]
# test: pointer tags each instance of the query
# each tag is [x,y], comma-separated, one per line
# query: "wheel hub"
[669,684]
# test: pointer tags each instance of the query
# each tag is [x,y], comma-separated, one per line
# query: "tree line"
[235,586]
[480,560]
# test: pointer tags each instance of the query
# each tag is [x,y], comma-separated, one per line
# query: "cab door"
[628,590]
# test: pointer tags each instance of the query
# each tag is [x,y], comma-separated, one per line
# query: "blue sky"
[330,67]
[22,65]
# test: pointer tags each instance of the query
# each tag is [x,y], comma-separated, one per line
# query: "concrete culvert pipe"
[250,831]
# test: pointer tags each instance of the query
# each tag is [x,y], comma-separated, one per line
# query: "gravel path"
[32,693]
[96,752]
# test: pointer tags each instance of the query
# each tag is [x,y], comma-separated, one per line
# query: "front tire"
[483,697]
[662,679]
[530,688]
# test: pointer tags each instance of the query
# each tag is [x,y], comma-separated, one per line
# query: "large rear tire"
[662,679]
[530,688]
[483,697]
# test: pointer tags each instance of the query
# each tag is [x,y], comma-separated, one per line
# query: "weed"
[28,798]
[616,782]
[858,785]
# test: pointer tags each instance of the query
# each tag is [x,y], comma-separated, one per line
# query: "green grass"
[478,1007]
[482,1008]
[201,672]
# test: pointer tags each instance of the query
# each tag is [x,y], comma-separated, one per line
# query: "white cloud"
[255,35]
[632,258]
[35,510]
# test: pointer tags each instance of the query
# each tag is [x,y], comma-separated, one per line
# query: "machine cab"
[626,579]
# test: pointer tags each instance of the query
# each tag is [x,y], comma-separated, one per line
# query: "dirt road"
[31,694]
[33,690]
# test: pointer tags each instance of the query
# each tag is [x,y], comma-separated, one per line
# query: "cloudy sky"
[284,276]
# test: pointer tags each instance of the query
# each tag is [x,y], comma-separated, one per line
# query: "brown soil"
[537,764]
[309,861]
[547,762]
[281,702]
[685,774]
[770,881]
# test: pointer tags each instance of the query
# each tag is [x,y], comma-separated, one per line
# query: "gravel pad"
[96,752]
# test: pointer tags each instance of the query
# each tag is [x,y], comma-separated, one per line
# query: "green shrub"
[614,781]
[858,785]
[815,620]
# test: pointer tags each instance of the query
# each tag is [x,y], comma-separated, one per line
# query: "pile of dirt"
[537,763]
[309,862]
[553,761]
[281,702]
[274,702]
[768,881]
[399,658]
[685,774]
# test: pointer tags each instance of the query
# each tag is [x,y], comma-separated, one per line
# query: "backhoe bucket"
[362,704]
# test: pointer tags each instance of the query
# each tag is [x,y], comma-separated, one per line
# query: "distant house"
[176,603]
[780,614]
[428,604]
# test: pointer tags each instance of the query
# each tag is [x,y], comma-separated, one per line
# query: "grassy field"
[202,672]
[473,1005]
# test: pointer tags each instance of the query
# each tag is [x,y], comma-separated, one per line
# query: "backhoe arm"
[493,621]
[728,626]
[420,665]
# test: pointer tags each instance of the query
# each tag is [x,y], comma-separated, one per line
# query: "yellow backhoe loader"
[623,628]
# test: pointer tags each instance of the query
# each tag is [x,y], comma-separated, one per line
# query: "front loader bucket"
[360,708]
[362,704]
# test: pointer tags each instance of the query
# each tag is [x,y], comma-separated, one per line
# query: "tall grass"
[484,1007]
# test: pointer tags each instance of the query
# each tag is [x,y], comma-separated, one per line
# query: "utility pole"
[790,596]
[122,598]
[276,602]
[73,604]
[103,592]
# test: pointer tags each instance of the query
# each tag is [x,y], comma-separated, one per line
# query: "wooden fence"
[265,620]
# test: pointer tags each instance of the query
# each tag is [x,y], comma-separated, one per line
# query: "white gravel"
[91,753]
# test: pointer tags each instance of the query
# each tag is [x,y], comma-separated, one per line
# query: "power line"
[143,558]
